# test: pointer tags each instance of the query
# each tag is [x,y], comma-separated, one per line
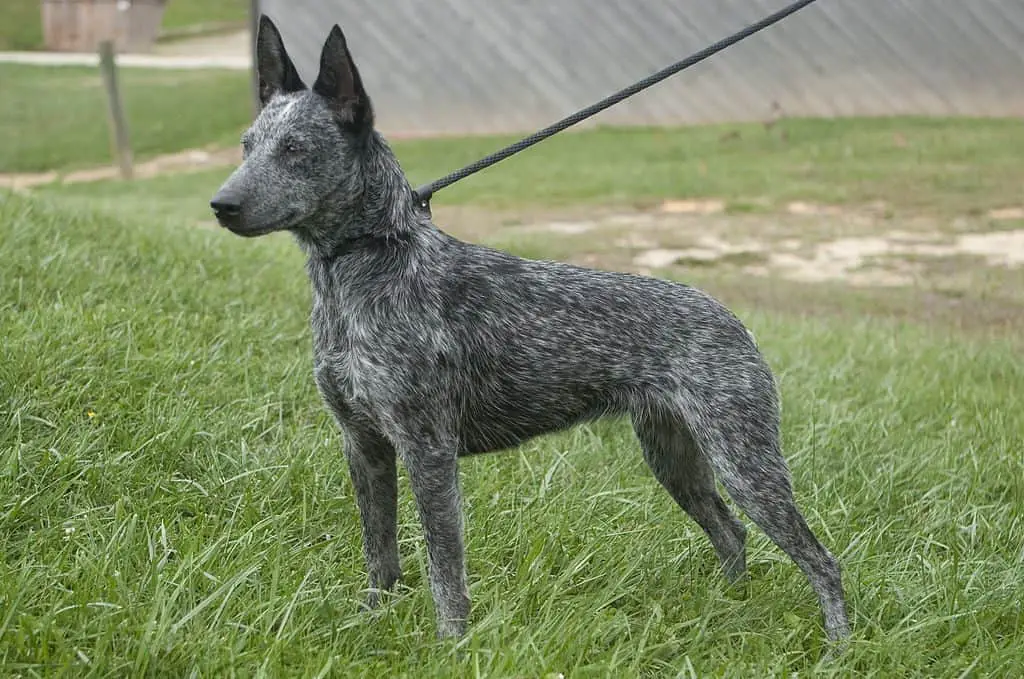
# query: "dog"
[427,348]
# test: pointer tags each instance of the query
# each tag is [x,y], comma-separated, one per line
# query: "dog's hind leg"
[740,439]
[678,465]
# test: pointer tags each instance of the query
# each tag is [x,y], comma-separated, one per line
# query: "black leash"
[424,193]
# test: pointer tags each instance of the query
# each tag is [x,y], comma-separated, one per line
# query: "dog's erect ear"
[276,71]
[340,84]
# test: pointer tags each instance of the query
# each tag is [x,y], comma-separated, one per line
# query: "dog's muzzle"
[227,208]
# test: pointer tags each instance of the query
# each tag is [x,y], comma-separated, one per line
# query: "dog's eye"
[291,147]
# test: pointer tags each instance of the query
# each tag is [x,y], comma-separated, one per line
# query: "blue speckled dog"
[427,348]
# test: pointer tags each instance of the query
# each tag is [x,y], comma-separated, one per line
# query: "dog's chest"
[345,364]
[367,357]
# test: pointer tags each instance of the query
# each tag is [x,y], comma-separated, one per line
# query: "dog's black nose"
[227,208]
[224,206]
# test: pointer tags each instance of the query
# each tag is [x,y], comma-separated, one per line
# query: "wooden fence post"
[119,143]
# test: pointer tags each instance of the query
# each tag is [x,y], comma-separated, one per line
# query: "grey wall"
[458,66]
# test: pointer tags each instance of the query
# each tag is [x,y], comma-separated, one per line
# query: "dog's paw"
[372,600]
[835,650]
[738,587]
[451,628]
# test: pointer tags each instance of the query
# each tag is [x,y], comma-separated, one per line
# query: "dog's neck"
[379,234]
[380,206]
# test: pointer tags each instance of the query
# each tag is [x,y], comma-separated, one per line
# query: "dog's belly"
[487,428]
[495,436]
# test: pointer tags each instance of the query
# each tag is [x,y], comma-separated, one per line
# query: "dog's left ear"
[340,84]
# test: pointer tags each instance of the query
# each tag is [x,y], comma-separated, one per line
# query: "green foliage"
[185,13]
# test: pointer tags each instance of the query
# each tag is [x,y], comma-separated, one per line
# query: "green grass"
[20,25]
[186,13]
[21,20]
[57,117]
[173,499]
[934,165]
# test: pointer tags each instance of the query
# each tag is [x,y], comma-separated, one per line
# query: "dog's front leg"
[433,474]
[372,466]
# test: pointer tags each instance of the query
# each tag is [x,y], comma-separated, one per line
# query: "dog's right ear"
[276,71]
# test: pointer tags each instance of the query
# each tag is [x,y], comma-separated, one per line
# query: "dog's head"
[305,145]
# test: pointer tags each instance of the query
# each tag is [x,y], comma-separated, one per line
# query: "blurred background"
[456,66]
[849,181]
[840,109]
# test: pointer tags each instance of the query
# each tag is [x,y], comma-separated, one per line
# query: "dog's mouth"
[239,229]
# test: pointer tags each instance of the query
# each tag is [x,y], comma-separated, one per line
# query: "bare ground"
[808,243]
[235,43]
[192,160]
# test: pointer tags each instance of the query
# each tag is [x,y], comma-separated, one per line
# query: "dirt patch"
[708,249]
[21,181]
[1002,213]
[856,260]
[693,207]
[569,227]
[802,208]
[848,259]
[235,43]
[809,243]
[193,160]
[1001,247]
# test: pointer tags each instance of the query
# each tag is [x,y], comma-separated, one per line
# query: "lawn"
[55,118]
[21,20]
[193,13]
[929,165]
[21,25]
[173,499]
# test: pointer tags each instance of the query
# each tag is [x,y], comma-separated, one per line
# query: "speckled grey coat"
[427,348]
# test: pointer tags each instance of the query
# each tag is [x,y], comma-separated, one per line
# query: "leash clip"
[421,197]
